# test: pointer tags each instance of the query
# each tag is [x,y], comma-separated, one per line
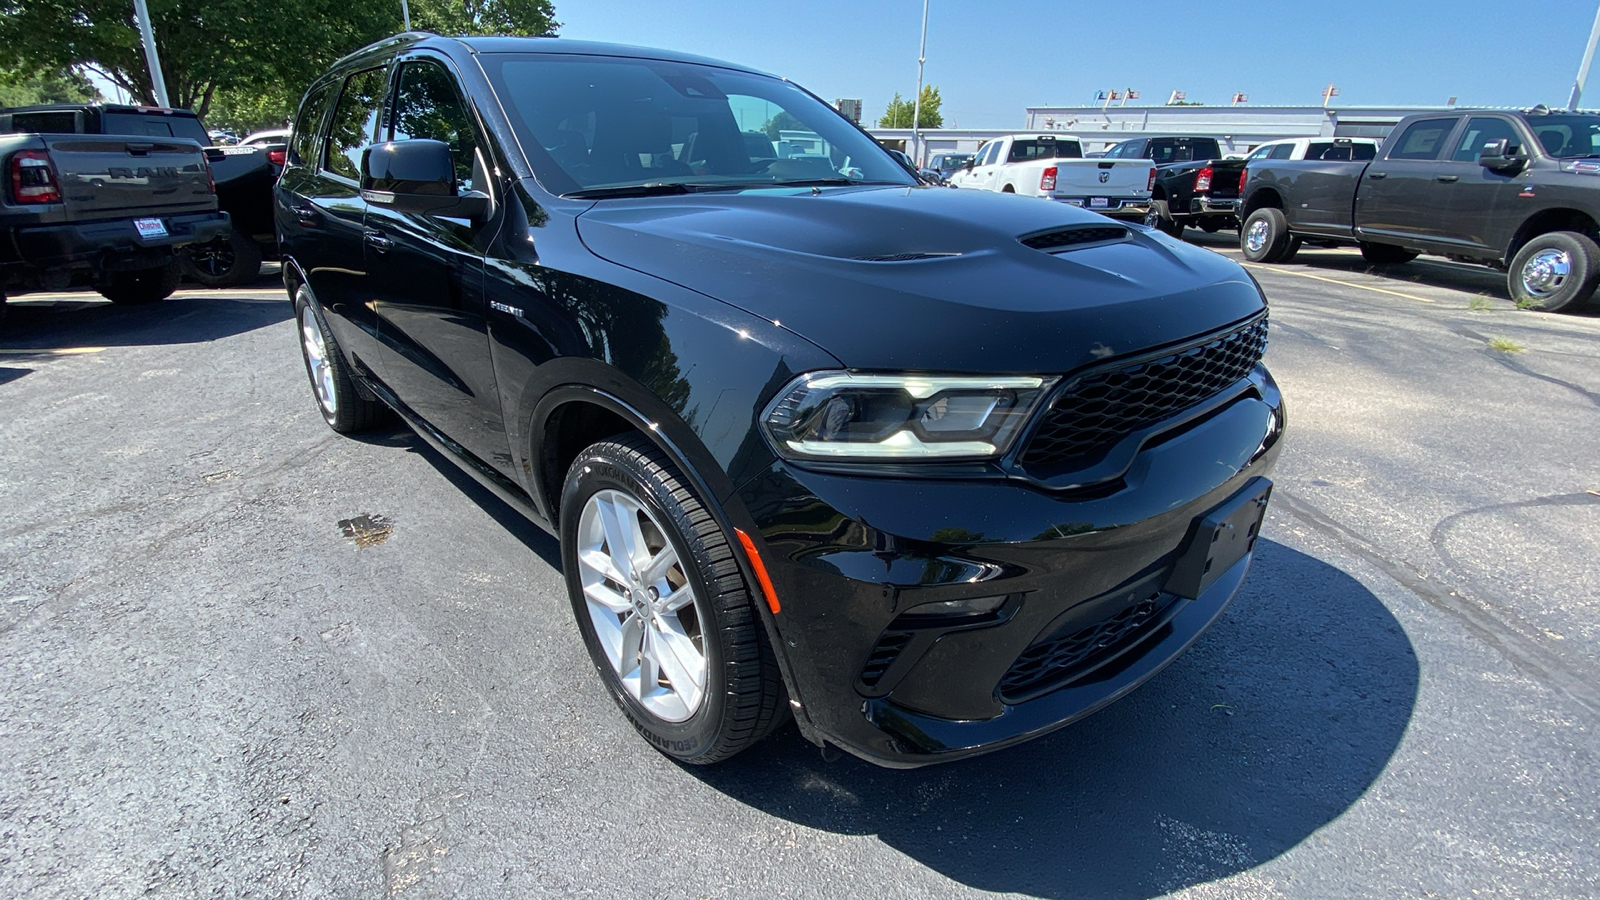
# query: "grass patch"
[1530,303]
[1505,345]
[1480,303]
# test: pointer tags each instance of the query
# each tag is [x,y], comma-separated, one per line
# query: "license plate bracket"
[1219,539]
[1099,202]
[150,228]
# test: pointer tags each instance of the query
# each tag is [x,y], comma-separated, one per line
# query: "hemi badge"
[511,310]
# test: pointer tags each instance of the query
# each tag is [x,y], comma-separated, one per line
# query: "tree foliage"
[29,88]
[783,121]
[256,58]
[900,111]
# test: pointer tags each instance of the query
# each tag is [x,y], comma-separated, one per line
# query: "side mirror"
[971,162]
[1502,156]
[417,176]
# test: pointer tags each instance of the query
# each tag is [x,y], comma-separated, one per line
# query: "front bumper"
[849,556]
[111,242]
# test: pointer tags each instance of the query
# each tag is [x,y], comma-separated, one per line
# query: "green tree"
[783,121]
[900,111]
[27,89]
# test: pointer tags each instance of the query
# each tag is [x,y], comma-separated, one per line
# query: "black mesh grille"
[883,656]
[1068,237]
[1054,661]
[1097,410]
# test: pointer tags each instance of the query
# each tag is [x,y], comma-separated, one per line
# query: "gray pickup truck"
[103,211]
[1518,191]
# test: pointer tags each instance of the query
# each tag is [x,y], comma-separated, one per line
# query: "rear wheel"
[1265,237]
[1386,254]
[339,400]
[1160,218]
[664,611]
[224,262]
[141,285]
[1555,272]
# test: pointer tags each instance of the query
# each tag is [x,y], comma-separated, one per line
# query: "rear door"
[1397,197]
[426,273]
[327,208]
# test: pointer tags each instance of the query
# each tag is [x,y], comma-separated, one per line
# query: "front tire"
[1555,272]
[338,399]
[1265,238]
[664,611]
[1386,254]
[141,285]
[224,262]
[1160,218]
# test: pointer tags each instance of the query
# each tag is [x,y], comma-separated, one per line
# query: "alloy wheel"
[317,362]
[1256,237]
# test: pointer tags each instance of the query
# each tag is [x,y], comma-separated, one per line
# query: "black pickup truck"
[1519,191]
[104,211]
[1194,185]
[244,177]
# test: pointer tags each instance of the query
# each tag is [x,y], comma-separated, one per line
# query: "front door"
[1480,198]
[427,276]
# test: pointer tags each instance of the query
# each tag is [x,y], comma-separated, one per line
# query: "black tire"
[141,285]
[3,306]
[743,698]
[224,262]
[1264,237]
[1554,272]
[341,402]
[1386,254]
[1210,226]
[1160,218]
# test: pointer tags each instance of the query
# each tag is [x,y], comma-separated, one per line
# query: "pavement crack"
[1509,636]
[1505,359]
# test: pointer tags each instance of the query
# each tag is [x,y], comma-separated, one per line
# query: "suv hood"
[930,279]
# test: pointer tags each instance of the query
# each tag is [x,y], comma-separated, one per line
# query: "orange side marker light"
[761,570]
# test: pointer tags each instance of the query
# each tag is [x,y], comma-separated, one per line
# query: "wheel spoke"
[601,564]
[684,665]
[677,600]
[656,569]
[607,596]
[620,534]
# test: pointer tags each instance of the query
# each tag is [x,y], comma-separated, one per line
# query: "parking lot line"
[1338,282]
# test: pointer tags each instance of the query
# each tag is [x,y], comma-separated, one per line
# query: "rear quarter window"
[307,126]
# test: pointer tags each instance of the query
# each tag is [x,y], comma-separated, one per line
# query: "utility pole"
[405,14]
[916,107]
[1588,57]
[158,83]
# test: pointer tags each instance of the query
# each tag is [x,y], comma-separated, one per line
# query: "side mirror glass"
[416,176]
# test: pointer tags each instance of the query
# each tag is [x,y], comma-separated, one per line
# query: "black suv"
[931,471]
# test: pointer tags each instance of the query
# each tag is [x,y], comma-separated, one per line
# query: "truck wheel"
[1386,254]
[1265,237]
[1554,272]
[338,398]
[1160,218]
[224,262]
[669,622]
[142,285]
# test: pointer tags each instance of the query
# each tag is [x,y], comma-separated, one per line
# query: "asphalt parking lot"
[209,687]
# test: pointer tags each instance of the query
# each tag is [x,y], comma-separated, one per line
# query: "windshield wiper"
[824,182]
[648,189]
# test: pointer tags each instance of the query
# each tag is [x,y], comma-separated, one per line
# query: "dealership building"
[1236,128]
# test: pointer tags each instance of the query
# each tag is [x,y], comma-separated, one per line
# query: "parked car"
[1514,190]
[243,175]
[267,137]
[932,471]
[1333,149]
[1052,166]
[948,164]
[1192,185]
[107,212]
[904,159]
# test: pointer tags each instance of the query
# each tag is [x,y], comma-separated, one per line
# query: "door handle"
[305,214]
[1447,178]
[1375,176]
[378,241]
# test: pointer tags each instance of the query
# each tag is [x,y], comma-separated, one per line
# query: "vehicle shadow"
[8,374]
[1267,730]
[59,321]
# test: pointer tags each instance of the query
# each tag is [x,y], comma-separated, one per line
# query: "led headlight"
[847,416]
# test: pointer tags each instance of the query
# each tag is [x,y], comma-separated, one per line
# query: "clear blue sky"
[993,59]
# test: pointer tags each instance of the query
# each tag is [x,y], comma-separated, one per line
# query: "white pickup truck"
[1052,166]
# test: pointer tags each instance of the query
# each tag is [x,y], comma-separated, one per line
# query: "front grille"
[883,656]
[1062,238]
[1054,661]
[1098,409]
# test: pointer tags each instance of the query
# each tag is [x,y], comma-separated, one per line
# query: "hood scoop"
[905,257]
[1074,238]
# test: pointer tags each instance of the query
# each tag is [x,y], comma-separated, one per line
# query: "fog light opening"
[949,609]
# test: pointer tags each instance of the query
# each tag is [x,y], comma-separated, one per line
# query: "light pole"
[157,83]
[916,106]
[1583,69]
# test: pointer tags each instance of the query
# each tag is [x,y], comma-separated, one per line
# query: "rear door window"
[1283,151]
[355,121]
[1483,130]
[427,104]
[303,141]
[1422,140]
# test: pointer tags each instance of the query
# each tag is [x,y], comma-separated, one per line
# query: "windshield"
[948,162]
[594,124]
[1565,137]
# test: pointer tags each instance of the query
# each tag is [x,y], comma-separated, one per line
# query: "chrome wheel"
[317,363]
[1255,238]
[643,607]
[1546,272]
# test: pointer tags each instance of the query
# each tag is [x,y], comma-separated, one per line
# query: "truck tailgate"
[112,176]
[1102,177]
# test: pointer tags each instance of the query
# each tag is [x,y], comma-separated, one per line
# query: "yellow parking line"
[62,351]
[1340,283]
